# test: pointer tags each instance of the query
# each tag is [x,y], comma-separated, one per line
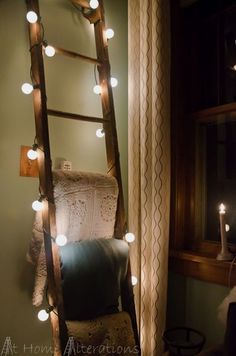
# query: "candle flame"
[222,208]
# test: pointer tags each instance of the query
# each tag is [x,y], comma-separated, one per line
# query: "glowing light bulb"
[234,67]
[31,16]
[227,227]
[37,205]
[100,133]
[93,4]
[43,315]
[222,208]
[114,82]
[109,33]
[97,89]
[129,236]
[32,154]
[61,240]
[134,280]
[50,51]
[27,88]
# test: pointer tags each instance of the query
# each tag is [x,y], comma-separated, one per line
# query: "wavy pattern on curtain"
[149,163]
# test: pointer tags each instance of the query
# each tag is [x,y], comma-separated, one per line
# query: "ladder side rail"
[128,304]
[45,181]
[112,151]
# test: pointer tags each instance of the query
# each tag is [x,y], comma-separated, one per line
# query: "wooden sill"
[205,268]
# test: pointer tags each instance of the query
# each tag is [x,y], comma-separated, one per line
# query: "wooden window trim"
[205,268]
[189,256]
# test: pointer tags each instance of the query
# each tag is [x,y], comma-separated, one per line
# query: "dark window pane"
[229,59]
[218,181]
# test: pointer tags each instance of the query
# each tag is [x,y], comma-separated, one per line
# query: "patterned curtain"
[149,164]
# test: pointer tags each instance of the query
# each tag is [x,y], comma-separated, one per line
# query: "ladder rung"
[77,55]
[68,115]
[82,3]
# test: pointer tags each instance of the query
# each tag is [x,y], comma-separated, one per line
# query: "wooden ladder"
[41,112]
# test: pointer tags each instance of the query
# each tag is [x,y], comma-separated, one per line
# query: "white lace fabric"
[85,209]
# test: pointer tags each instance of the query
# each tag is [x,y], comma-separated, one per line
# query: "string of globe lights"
[97,89]
[27,88]
[113,81]
[50,51]
[43,314]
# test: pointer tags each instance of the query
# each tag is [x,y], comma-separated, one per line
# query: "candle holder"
[225,254]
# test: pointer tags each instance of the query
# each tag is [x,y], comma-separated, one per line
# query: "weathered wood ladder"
[96,17]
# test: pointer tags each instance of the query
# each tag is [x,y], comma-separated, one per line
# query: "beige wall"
[74,141]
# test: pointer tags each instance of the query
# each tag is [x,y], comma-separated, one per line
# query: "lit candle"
[222,222]
[224,255]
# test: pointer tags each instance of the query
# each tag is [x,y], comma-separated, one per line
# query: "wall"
[194,303]
[74,141]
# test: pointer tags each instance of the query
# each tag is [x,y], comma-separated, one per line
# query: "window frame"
[189,254]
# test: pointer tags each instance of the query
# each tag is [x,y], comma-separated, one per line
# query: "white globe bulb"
[93,4]
[37,205]
[61,240]
[227,227]
[50,51]
[31,16]
[32,154]
[114,82]
[100,133]
[43,315]
[27,88]
[129,236]
[109,33]
[97,89]
[134,280]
